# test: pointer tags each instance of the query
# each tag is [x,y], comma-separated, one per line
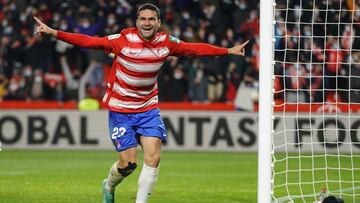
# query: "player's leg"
[118,171]
[122,168]
[152,130]
[148,176]
[123,137]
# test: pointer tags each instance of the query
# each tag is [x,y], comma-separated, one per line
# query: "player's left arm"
[181,48]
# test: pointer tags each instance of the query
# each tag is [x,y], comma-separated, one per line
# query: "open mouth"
[147,30]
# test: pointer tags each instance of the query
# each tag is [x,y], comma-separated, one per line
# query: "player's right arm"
[81,40]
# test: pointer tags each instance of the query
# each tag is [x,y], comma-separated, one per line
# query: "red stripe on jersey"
[123,110]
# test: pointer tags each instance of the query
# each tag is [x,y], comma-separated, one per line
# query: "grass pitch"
[76,176]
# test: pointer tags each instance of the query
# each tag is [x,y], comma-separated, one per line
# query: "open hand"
[238,49]
[42,29]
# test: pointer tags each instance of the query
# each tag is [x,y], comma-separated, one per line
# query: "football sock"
[147,180]
[114,178]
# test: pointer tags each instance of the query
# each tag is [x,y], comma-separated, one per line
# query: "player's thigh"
[151,147]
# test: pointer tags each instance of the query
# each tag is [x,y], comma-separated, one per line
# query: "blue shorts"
[125,128]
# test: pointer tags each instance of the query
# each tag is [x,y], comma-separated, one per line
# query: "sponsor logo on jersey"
[133,52]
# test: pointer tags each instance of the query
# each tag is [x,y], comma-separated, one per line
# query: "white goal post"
[309,100]
[265,101]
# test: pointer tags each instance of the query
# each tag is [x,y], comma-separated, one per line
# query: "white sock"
[114,178]
[147,180]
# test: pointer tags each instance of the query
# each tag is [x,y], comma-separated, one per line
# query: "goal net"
[316,95]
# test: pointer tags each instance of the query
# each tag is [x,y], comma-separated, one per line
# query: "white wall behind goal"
[187,130]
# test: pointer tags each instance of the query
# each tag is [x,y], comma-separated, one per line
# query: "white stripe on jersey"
[132,105]
[105,97]
[136,94]
[160,38]
[140,67]
[135,81]
[145,52]
[132,37]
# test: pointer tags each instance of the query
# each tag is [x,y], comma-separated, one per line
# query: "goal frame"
[265,100]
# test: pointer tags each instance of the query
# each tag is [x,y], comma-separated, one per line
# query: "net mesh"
[316,139]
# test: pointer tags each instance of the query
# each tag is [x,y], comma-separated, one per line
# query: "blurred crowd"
[48,69]
[51,70]
[317,51]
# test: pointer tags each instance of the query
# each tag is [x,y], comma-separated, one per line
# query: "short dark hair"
[332,199]
[150,7]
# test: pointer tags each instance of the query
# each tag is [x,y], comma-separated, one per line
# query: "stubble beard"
[148,35]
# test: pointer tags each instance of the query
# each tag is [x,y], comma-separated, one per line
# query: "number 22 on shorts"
[118,132]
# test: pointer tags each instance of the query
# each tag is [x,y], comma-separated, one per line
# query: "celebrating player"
[132,94]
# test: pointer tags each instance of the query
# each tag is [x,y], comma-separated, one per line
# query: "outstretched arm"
[81,40]
[203,49]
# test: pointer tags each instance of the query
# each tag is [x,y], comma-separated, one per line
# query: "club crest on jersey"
[114,36]
[174,39]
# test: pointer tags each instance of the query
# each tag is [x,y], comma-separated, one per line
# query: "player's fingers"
[37,36]
[38,21]
[245,43]
[38,30]
[242,52]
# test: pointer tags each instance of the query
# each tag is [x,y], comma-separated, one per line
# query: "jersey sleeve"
[181,48]
[110,44]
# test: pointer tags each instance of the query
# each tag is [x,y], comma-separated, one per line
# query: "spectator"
[178,84]
[198,82]
[37,83]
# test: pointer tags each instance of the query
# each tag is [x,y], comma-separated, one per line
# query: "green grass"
[185,177]
[306,175]
[76,176]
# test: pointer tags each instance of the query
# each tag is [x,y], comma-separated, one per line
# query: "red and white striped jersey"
[131,85]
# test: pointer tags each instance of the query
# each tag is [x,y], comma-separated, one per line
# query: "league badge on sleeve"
[114,36]
[174,39]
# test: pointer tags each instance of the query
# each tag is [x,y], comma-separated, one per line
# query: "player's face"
[147,23]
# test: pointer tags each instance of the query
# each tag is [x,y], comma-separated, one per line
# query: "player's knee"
[152,160]
[128,169]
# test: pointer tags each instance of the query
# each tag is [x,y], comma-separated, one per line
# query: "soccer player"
[132,94]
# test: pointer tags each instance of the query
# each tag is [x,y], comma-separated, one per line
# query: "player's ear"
[159,23]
